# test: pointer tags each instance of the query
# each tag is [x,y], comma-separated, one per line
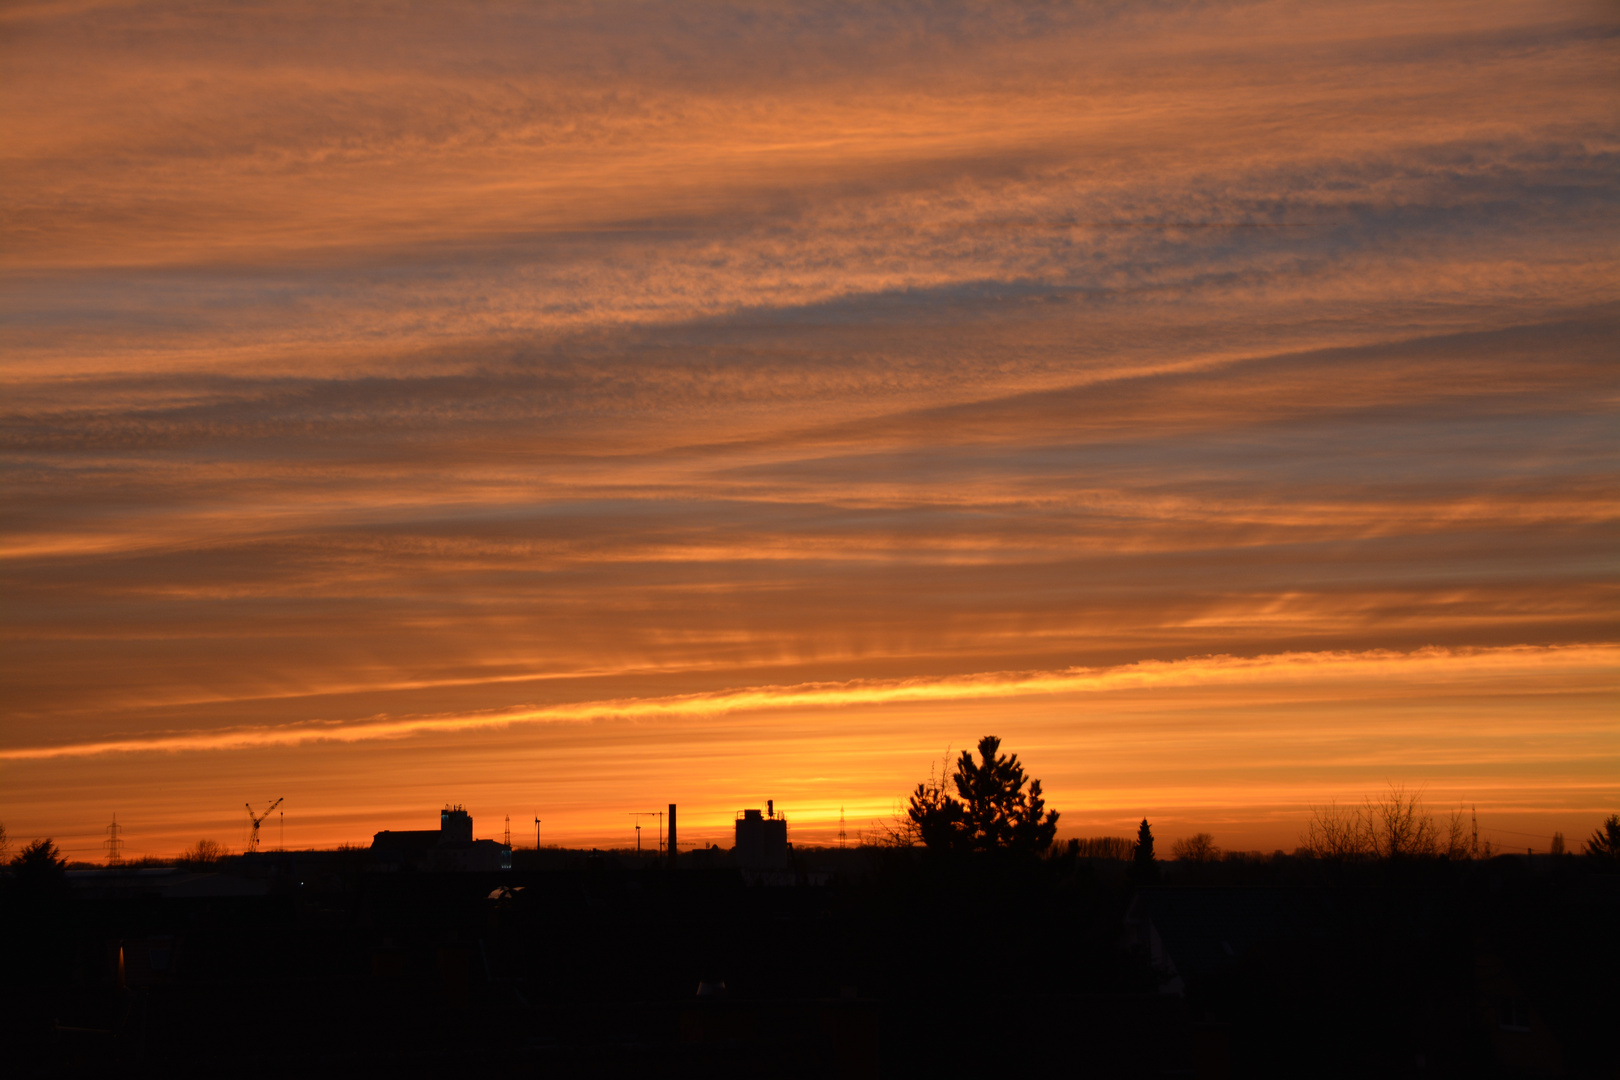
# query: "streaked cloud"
[1597,661]
[408,376]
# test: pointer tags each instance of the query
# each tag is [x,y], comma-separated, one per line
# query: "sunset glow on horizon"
[569,410]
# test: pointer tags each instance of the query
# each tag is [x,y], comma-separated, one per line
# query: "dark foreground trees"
[990,811]
[1605,842]
[39,864]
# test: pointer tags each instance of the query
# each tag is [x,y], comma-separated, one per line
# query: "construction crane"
[258,819]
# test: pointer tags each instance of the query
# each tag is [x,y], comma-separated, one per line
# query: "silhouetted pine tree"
[1605,842]
[936,818]
[994,811]
[1143,868]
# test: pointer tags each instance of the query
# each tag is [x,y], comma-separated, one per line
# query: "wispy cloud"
[1431,664]
[399,366]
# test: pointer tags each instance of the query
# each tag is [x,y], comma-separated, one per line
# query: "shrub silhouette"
[38,873]
[39,861]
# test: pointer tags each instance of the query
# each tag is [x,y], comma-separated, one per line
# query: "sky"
[565,410]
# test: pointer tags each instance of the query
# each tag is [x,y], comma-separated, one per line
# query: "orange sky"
[565,411]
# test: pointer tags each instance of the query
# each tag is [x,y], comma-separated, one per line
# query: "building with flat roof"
[761,841]
[448,849]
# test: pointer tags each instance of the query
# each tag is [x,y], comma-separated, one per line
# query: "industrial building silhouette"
[761,839]
[448,849]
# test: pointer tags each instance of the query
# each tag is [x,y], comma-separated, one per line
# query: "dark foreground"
[860,963]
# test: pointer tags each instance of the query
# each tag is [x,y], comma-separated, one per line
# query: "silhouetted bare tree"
[1396,826]
[1199,847]
[204,853]
[1334,832]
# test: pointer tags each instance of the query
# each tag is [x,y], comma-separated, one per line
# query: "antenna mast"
[508,840]
[841,833]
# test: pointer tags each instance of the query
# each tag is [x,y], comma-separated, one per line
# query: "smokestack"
[672,834]
[770,808]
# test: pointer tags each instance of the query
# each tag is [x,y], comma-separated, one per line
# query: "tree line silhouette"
[982,806]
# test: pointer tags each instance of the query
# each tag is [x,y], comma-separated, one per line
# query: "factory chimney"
[672,848]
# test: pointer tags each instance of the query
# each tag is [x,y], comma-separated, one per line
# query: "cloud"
[397,362]
[1193,672]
